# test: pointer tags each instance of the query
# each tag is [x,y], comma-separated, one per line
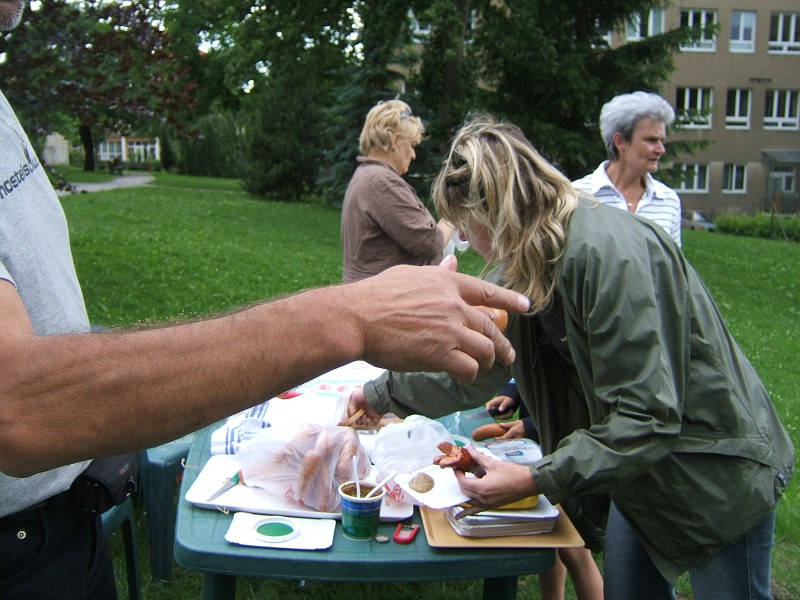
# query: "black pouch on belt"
[106,482]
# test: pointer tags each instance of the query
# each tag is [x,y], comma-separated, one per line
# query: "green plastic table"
[200,546]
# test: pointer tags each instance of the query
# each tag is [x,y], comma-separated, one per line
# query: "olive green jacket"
[663,411]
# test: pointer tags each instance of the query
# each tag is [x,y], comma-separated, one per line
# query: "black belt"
[51,503]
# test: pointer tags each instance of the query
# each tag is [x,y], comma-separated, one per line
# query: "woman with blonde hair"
[633,380]
[383,221]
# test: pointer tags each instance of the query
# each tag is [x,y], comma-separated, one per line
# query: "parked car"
[695,219]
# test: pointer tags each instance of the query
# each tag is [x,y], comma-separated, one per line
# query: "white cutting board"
[256,500]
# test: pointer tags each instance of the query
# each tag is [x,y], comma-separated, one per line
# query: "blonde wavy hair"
[386,119]
[493,178]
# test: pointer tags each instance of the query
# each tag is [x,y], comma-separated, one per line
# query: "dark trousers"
[55,551]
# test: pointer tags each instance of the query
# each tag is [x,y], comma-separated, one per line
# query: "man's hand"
[423,319]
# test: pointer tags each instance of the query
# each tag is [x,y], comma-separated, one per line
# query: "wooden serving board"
[441,534]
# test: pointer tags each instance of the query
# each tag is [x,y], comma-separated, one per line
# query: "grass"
[197,183]
[78,175]
[179,250]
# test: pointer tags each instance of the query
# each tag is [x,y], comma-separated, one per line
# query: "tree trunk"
[88,147]
[456,29]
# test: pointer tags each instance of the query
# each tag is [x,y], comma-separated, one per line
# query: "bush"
[142,165]
[762,225]
[76,158]
[217,149]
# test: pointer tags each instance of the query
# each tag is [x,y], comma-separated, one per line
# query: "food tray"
[440,534]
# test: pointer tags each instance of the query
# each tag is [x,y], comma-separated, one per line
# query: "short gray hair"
[622,113]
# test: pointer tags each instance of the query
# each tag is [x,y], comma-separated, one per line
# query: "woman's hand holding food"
[358,402]
[513,429]
[503,482]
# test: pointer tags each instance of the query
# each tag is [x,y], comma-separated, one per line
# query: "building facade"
[129,149]
[737,90]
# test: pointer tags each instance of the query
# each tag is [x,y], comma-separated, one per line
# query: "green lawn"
[181,250]
[78,175]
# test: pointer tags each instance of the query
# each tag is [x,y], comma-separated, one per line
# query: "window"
[142,150]
[737,110]
[693,178]
[421,30]
[734,179]
[780,110]
[603,35]
[109,149]
[693,106]
[784,33]
[645,24]
[700,19]
[743,31]
[782,179]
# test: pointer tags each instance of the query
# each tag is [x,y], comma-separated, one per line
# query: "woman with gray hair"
[634,127]
[636,386]
[383,221]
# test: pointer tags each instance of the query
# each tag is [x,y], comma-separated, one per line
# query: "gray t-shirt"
[35,256]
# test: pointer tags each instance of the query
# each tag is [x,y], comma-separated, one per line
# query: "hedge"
[763,225]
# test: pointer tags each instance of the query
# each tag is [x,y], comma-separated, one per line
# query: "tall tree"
[295,56]
[445,80]
[106,64]
[378,49]
[546,67]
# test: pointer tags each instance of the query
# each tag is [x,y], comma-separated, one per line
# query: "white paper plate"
[310,534]
[445,491]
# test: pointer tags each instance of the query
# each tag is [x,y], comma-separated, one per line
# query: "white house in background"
[56,150]
[129,149]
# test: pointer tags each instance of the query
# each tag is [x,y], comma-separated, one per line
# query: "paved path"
[132,180]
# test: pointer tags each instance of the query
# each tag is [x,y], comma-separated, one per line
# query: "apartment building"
[739,91]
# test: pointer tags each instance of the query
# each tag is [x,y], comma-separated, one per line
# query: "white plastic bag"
[407,446]
[305,465]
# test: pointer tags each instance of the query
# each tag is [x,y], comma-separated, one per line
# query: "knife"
[230,482]
[483,414]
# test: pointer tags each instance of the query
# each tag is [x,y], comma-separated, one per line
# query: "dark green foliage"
[547,68]
[284,147]
[543,65]
[445,83]
[216,149]
[106,66]
[169,159]
[367,81]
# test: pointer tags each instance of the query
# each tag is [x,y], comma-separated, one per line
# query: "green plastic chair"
[159,468]
[123,517]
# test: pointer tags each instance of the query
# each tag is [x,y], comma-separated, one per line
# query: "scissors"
[230,482]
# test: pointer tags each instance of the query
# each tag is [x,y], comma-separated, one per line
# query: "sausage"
[498,315]
[309,467]
[348,449]
[490,430]
[455,457]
